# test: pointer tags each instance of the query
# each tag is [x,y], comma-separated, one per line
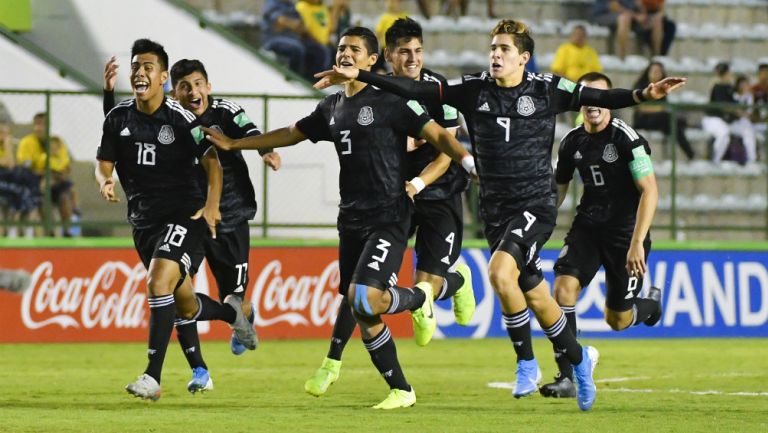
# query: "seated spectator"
[656,117]
[576,57]
[32,154]
[458,8]
[722,122]
[341,18]
[19,189]
[316,18]
[625,15]
[661,31]
[760,93]
[394,12]
[286,35]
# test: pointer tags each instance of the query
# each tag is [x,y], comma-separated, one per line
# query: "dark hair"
[403,28]
[38,116]
[369,39]
[643,81]
[762,66]
[144,46]
[738,80]
[521,34]
[184,67]
[722,68]
[595,76]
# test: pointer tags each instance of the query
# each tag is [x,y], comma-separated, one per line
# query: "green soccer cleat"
[424,320]
[464,298]
[325,376]
[398,398]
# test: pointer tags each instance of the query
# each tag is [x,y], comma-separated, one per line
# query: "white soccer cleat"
[145,388]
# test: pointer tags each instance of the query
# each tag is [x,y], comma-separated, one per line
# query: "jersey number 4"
[146,155]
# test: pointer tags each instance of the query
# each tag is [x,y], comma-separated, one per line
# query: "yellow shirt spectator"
[31,153]
[385,22]
[317,19]
[575,57]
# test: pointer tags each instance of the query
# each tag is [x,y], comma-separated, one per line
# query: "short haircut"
[184,67]
[38,116]
[722,68]
[521,34]
[369,39]
[595,76]
[146,46]
[762,66]
[403,29]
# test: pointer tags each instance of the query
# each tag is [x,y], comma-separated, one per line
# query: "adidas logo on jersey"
[518,232]
[332,122]
[239,289]
[484,107]
[577,155]
[125,132]
[165,248]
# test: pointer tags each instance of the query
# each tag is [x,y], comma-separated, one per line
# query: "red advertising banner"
[99,294]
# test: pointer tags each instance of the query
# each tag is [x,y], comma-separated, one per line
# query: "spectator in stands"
[20,195]
[760,93]
[576,57]
[394,12]
[341,17]
[32,154]
[657,117]
[458,8]
[286,35]
[661,30]
[722,122]
[7,162]
[625,15]
[316,18]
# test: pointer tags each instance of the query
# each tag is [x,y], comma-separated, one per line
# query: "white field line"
[511,385]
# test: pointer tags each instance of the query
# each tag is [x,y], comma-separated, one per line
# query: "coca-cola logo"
[297,300]
[109,298]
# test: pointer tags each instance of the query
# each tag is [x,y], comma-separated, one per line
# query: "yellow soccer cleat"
[424,320]
[464,298]
[325,376]
[398,398]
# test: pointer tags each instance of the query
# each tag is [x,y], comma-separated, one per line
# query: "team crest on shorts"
[525,106]
[609,153]
[166,135]
[365,117]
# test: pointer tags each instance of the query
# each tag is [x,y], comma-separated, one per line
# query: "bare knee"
[618,321]
[159,285]
[366,301]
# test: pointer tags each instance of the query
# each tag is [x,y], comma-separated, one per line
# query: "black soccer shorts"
[372,257]
[586,248]
[179,239]
[227,256]
[439,228]
[522,235]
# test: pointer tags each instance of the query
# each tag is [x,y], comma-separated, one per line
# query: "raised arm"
[403,86]
[282,137]
[622,98]
[110,77]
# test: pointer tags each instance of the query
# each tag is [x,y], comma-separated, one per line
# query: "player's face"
[147,76]
[407,58]
[192,92]
[505,59]
[595,116]
[353,53]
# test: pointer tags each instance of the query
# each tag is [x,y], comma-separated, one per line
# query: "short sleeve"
[241,123]
[107,150]
[412,116]
[315,126]
[449,118]
[565,95]
[201,144]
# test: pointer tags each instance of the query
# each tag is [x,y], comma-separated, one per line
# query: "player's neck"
[510,80]
[353,88]
[600,127]
[151,105]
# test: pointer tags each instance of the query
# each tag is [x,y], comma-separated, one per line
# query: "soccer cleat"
[464,298]
[145,388]
[584,375]
[398,398]
[201,381]
[244,331]
[528,378]
[654,294]
[562,387]
[424,320]
[324,377]
[234,344]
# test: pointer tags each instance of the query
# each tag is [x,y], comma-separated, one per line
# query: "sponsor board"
[99,294]
[705,294]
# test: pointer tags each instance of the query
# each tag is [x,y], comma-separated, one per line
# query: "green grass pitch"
[649,386]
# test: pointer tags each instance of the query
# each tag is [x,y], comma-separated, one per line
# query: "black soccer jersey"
[370,132]
[610,196]
[238,202]
[455,179]
[155,159]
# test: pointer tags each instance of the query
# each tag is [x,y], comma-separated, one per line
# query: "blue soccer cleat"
[528,378]
[201,381]
[583,374]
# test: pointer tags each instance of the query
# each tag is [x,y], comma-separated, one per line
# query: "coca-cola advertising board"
[99,294]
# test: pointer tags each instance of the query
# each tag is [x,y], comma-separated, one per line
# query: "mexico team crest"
[166,135]
[365,117]
[609,153]
[525,106]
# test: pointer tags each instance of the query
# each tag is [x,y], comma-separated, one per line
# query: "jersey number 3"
[347,142]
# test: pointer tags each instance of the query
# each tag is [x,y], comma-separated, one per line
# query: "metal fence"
[698,200]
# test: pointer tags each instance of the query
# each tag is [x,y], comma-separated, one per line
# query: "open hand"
[335,76]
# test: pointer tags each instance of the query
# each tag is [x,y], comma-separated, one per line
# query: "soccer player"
[227,254]
[611,226]
[153,143]
[510,115]
[369,128]
[438,219]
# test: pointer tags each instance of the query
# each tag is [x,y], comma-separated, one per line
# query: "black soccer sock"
[162,311]
[519,329]
[564,340]
[212,310]
[404,299]
[563,364]
[451,284]
[643,309]
[342,330]
[384,356]
[189,340]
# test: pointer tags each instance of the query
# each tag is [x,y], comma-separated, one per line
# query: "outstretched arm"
[278,138]
[622,98]
[403,86]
